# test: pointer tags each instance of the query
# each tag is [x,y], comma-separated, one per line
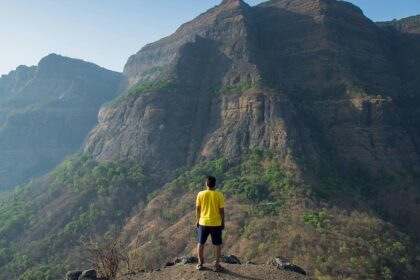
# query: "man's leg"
[218,254]
[203,233]
[200,253]
[216,236]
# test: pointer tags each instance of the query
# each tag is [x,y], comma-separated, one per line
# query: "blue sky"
[107,32]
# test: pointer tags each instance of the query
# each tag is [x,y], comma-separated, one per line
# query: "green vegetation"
[366,247]
[276,220]
[153,70]
[98,197]
[316,219]
[156,86]
[326,241]
[352,90]
[46,272]
[159,86]
[259,180]
[241,87]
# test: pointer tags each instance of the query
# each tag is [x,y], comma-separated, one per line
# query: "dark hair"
[210,181]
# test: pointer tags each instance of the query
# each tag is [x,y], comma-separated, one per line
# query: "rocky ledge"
[184,268]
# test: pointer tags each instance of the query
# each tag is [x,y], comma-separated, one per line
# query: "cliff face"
[224,24]
[174,123]
[247,77]
[45,113]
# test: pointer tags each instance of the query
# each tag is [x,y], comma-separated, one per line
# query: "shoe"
[199,266]
[218,268]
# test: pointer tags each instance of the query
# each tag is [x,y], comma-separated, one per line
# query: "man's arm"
[222,214]
[197,214]
[222,209]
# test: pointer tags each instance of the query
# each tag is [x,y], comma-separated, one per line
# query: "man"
[210,215]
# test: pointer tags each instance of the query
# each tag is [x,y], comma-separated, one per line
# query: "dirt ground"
[187,272]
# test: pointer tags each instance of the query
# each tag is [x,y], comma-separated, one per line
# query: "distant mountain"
[45,113]
[306,112]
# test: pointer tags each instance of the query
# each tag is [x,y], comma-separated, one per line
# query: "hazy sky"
[107,32]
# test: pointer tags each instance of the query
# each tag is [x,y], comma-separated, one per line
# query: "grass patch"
[242,87]
[146,88]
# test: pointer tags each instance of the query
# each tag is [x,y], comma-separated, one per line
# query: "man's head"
[210,182]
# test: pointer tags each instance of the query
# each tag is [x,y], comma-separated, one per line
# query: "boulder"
[231,259]
[185,260]
[169,264]
[284,265]
[73,275]
[89,274]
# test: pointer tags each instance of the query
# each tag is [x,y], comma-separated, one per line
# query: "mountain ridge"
[406,25]
[45,113]
[184,34]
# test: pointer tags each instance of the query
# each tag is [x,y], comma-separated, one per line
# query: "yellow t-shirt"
[210,201]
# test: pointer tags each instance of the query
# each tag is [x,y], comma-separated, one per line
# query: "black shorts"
[215,232]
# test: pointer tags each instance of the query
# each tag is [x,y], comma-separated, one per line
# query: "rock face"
[45,113]
[405,25]
[276,76]
[225,23]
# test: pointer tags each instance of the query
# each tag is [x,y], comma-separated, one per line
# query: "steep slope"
[268,213]
[225,24]
[167,135]
[45,113]
[43,222]
[304,110]
[404,38]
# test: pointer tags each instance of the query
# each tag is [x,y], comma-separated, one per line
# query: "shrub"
[316,219]
[107,255]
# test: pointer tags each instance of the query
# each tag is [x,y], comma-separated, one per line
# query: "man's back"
[210,203]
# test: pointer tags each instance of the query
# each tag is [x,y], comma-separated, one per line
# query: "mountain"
[305,111]
[46,111]
[322,52]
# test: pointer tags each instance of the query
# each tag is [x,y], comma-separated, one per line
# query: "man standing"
[210,215]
